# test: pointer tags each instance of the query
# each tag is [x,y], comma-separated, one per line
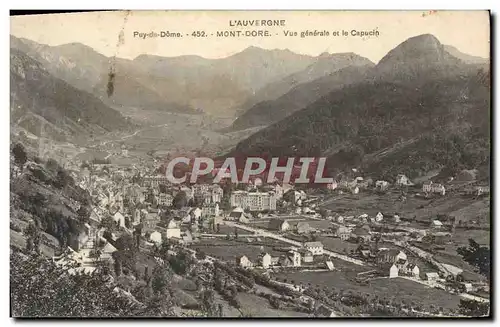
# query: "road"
[265,233]
[133,134]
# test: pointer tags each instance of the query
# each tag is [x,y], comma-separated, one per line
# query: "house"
[340,219]
[390,269]
[441,238]
[361,234]
[432,276]
[402,180]
[344,233]
[295,257]
[381,185]
[316,248]
[290,259]
[280,225]
[265,260]
[379,217]
[107,252]
[329,265]
[436,224]
[173,230]
[354,190]
[390,256]
[307,256]
[243,261]
[303,227]
[210,210]
[238,215]
[430,187]
[412,270]
[324,312]
[481,190]
[165,199]
[332,186]
[155,237]
[119,219]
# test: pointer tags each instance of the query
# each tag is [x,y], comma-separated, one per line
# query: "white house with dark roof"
[316,248]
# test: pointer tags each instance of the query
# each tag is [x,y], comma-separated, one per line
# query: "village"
[290,234]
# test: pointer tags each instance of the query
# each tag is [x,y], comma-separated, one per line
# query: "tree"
[83,213]
[477,256]
[53,292]
[180,200]
[208,303]
[473,308]
[33,237]
[19,153]
[200,255]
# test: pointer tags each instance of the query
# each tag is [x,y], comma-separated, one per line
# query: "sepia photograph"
[250,164]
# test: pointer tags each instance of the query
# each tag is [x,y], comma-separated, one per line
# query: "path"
[266,233]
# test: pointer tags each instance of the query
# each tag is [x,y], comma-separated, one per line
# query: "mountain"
[425,108]
[250,69]
[323,65]
[186,84]
[465,57]
[268,112]
[44,104]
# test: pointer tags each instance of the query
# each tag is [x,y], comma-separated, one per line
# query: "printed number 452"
[198,34]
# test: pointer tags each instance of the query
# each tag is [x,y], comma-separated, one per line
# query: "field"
[400,288]
[257,306]
[465,208]
[229,250]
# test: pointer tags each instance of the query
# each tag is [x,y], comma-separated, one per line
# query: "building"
[430,187]
[119,219]
[344,233]
[402,180]
[390,256]
[379,217]
[412,270]
[165,199]
[238,215]
[391,270]
[295,197]
[332,186]
[303,227]
[432,276]
[381,185]
[265,260]
[280,225]
[290,259]
[173,230]
[436,224]
[154,181]
[210,210]
[324,312]
[316,248]
[207,194]
[482,190]
[307,256]
[155,237]
[243,262]
[254,201]
[361,234]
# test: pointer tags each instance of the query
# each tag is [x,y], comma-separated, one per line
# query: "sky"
[468,31]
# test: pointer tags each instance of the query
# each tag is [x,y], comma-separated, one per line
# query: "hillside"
[268,112]
[323,65]
[38,98]
[421,94]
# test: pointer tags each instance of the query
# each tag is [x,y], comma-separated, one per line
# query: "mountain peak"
[416,54]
